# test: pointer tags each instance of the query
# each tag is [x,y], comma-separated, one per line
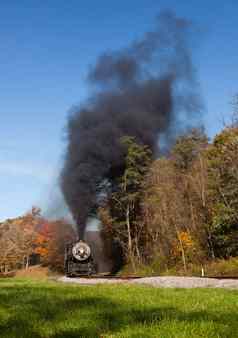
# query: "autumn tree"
[175,201]
[17,238]
[30,236]
[191,199]
[167,217]
[10,254]
[223,192]
[188,157]
[51,240]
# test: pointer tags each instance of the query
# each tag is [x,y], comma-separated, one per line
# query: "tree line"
[180,209]
[32,239]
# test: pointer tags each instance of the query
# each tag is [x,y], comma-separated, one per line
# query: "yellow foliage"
[184,242]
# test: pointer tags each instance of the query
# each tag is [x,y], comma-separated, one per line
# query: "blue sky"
[46,48]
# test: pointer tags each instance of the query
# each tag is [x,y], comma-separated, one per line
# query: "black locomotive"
[79,260]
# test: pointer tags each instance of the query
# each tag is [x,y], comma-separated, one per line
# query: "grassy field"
[49,309]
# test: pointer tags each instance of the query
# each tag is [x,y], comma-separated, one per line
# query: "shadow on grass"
[39,313]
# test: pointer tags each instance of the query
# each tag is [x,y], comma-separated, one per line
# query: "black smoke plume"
[145,90]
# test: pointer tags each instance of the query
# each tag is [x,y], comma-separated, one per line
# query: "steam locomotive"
[79,260]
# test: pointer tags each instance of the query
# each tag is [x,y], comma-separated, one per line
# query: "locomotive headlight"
[81,251]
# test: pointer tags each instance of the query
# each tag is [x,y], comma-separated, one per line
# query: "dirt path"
[166,282]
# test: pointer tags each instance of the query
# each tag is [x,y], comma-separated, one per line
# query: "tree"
[10,254]
[175,202]
[125,202]
[168,220]
[223,192]
[188,146]
[51,240]
[17,240]
[30,236]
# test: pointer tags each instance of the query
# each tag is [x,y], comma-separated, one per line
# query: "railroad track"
[222,277]
[103,276]
[109,277]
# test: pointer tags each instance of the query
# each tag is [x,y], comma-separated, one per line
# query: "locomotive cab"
[79,260]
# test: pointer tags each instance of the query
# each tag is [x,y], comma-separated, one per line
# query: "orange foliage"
[44,236]
[51,240]
[184,241]
[31,239]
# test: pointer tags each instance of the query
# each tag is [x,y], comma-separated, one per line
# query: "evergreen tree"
[125,202]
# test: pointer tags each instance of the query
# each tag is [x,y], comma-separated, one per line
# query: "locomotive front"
[79,260]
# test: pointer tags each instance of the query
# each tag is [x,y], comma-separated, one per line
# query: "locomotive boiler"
[79,260]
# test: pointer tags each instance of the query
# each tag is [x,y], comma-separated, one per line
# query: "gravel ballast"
[165,282]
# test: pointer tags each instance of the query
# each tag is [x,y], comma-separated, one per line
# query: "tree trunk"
[129,236]
[192,214]
[182,250]
[26,262]
[183,256]
[5,268]
[137,248]
[210,244]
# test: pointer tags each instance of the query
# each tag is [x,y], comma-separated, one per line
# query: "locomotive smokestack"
[139,91]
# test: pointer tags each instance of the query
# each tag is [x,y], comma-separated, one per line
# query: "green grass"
[49,309]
